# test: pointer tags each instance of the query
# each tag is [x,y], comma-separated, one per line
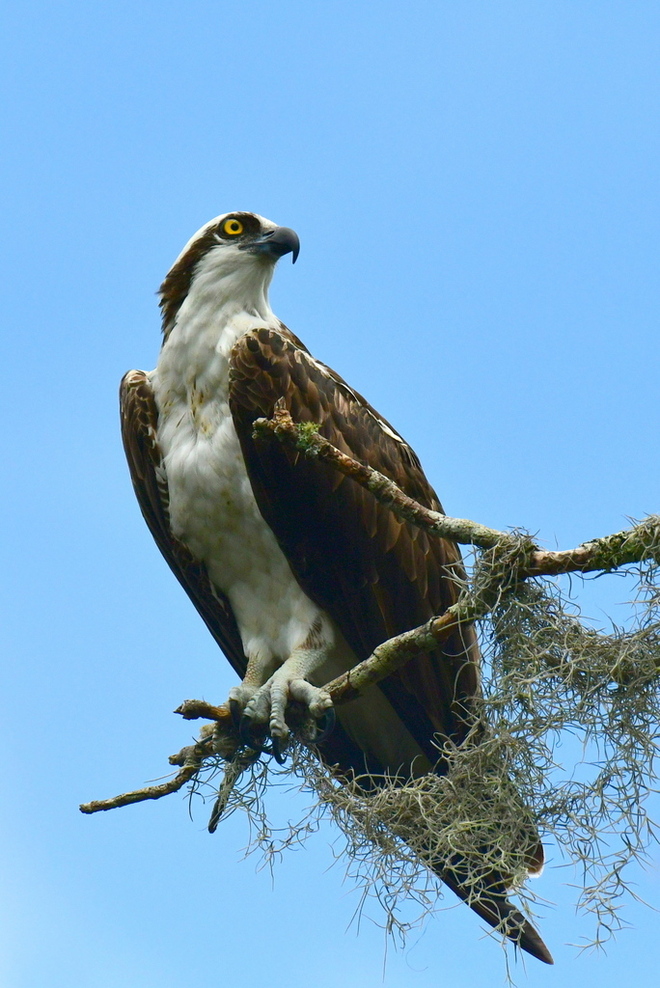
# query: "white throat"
[231,281]
[225,284]
[228,297]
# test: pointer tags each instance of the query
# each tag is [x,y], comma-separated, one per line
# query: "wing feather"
[139,424]
[375,574]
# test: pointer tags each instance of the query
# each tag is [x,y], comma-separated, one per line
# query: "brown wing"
[139,421]
[374,574]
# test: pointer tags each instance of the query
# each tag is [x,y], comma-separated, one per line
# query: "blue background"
[475,186]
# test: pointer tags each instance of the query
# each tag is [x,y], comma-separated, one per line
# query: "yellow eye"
[232,227]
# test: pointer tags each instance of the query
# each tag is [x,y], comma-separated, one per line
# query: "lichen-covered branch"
[307,439]
[632,545]
[608,553]
[394,653]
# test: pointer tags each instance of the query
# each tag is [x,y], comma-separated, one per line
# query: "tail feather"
[488,899]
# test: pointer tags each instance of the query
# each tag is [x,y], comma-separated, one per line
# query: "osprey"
[298,572]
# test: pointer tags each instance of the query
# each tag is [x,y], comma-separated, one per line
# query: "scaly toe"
[315,699]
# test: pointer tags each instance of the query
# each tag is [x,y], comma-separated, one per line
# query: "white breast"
[212,507]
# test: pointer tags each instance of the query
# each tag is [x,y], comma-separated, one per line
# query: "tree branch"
[508,559]
[607,553]
[191,758]
[307,440]
[396,652]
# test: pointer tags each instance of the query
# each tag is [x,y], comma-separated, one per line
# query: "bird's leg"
[255,676]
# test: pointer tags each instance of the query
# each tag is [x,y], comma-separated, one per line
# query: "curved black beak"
[276,243]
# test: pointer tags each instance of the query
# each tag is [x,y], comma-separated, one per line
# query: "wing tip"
[535,946]
[525,936]
[494,907]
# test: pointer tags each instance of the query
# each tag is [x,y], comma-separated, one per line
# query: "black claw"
[279,754]
[325,726]
[236,712]
[245,734]
[244,728]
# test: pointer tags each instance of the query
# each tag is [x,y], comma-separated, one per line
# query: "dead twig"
[190,758]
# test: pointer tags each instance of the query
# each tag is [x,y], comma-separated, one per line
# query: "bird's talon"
[248,739]
[278,752]
[325,725]
[244,732]
[236,712]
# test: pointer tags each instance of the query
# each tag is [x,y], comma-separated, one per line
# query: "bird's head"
[231,259]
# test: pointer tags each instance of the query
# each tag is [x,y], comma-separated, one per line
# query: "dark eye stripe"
[177,282]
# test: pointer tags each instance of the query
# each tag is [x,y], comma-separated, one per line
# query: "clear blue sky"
[475,186]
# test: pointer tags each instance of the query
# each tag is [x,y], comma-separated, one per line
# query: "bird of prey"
[298,572]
